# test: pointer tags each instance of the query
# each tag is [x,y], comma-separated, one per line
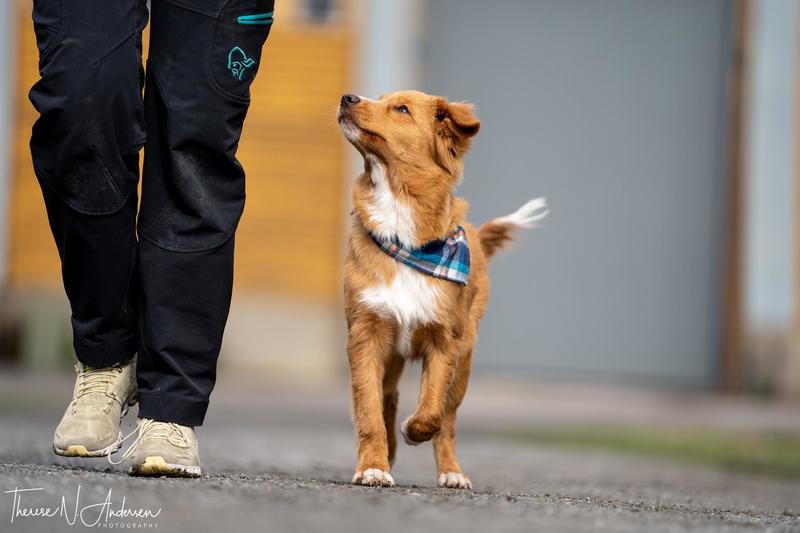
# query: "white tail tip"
[528,215]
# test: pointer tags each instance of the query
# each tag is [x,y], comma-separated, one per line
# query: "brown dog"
[413,145]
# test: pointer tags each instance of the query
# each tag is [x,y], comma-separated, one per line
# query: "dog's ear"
[459,117]
[456,125]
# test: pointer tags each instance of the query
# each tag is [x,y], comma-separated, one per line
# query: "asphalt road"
[280,460]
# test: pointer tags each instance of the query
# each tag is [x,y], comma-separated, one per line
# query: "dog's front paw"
[404,432]
[373,477]
[455,480]
[417,429]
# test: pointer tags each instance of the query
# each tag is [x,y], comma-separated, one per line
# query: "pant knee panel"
[86,141]
[196,101]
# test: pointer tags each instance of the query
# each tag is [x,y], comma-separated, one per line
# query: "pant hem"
[101,355]
[167,408]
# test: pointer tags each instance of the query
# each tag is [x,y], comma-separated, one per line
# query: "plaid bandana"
[446,259]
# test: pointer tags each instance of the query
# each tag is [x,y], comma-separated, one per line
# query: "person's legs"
[85,147]
[204,55]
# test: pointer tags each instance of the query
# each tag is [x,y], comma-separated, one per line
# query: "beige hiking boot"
[163,449]
[90,425]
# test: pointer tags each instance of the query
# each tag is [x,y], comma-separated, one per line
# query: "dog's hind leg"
[444,443]
[390,398]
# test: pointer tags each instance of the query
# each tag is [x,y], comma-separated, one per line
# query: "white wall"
[390,47]
[769,191]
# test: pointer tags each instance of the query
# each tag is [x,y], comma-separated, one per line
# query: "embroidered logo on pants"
[238,62]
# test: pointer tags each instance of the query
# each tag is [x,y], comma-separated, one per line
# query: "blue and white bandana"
[446,259]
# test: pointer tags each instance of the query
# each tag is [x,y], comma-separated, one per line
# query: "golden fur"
[413,143]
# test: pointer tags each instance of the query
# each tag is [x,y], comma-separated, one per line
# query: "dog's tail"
[497,233]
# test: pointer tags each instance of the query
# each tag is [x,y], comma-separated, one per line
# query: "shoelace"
[152,429]
[96,381]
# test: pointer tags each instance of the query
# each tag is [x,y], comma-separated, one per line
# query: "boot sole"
[78,450]
[155,465]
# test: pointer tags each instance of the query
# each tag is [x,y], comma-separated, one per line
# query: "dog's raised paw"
[373,477]
[455,480]
[404,432]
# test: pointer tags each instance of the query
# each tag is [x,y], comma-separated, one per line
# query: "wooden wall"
[33,259]
[290,238]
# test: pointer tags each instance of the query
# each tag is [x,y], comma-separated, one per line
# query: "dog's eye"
[402,109]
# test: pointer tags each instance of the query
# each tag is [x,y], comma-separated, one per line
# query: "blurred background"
[663,134]
[642,346]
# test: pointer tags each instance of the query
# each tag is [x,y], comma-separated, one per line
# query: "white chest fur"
[391,217]
[411,300]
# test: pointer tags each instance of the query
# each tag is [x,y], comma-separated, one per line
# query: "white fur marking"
[404,432]
[350,131]
[411,299]
[374,477]
[526,216]
[390,216]
[454,480]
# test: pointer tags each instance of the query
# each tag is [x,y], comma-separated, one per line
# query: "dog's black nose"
[350,99]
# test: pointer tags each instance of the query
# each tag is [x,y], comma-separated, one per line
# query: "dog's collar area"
[446,258]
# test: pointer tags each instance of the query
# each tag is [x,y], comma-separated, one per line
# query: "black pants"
[165,295]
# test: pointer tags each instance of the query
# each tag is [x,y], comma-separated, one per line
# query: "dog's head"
[410,128]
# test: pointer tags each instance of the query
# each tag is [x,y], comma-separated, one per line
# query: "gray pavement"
[278,458]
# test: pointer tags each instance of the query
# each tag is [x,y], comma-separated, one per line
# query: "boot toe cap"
[91,433]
